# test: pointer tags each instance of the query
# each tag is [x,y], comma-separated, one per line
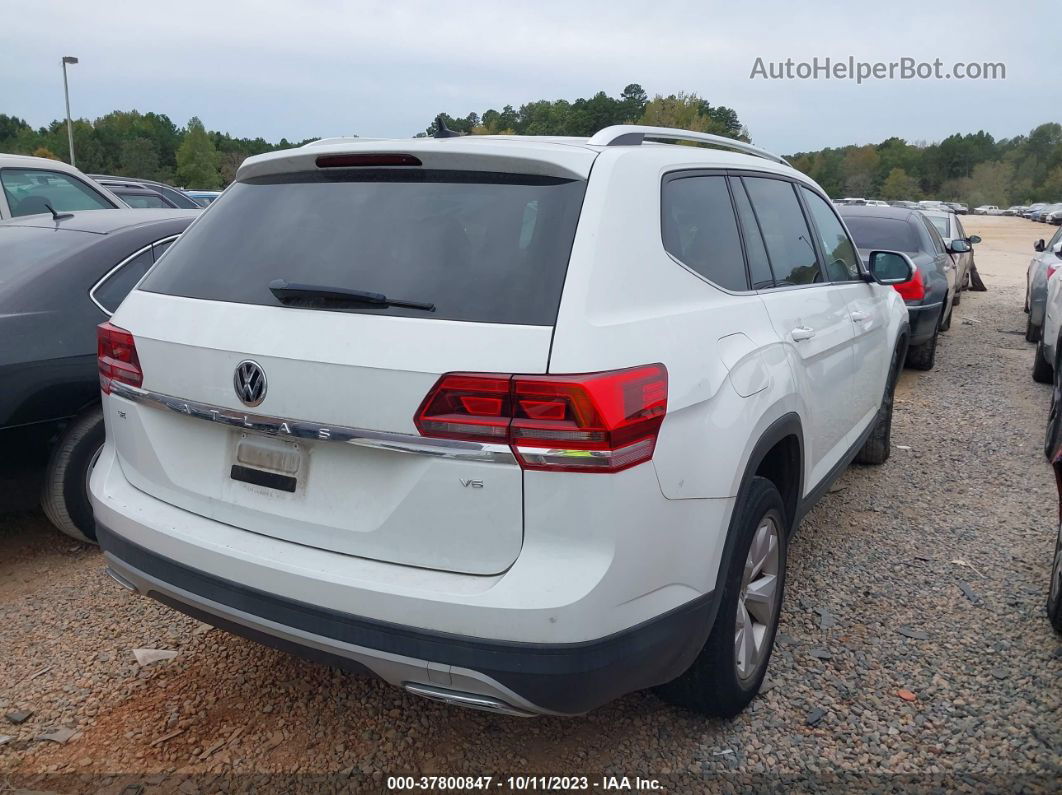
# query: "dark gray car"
[1048,257]
[60,278]
[929,295]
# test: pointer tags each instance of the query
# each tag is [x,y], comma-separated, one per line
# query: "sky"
[384,69]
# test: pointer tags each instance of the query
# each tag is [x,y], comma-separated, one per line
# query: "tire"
[1032,333]
[923,356]
[878,445]
[714,684]
[65,498]
[1054,594]
[945,322]
[958,298]
[1042,372]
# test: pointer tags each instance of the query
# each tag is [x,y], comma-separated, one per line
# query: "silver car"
[1048,254]
[950,228]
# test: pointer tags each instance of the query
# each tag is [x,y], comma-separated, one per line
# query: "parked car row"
[34,185]
[1047,369]
[383,391]
[942,255]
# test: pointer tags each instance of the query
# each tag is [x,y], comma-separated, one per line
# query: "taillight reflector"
[116,357]
[914,289]
[598,422]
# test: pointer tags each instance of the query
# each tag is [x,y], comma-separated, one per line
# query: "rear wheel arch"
[778,455]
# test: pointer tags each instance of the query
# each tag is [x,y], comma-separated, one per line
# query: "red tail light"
[1052,268]
[600,422]
[914,289]
[116,356]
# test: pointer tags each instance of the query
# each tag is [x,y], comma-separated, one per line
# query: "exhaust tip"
[469,700]
[122,581]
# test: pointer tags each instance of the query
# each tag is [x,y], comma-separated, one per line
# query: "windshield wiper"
[315,295]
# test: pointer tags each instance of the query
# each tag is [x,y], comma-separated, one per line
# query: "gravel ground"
[927,575]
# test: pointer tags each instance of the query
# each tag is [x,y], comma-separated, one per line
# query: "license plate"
[272,463]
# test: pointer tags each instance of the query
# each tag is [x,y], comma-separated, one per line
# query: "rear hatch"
[279,393]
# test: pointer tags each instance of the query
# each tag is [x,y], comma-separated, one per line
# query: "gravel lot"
[927,575]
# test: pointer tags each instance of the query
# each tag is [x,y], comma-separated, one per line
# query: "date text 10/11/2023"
[524,783]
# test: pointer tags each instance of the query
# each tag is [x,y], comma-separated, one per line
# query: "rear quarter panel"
[627,302]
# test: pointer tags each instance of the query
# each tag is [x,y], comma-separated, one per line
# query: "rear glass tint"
[481,247]
[889,234]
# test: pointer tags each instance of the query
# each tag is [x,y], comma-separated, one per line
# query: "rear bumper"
[501,676]
[923,320]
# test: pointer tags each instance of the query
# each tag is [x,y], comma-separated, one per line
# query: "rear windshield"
[890,234]
[483,247]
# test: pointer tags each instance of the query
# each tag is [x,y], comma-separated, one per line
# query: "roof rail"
[635,134]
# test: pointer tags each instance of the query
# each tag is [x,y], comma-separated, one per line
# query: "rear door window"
[483,247]
[785,231]
[935,238]
[30,191]
[115,286]
[755,250]
[700,231]
[160,247]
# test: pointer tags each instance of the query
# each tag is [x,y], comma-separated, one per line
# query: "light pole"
[69,123]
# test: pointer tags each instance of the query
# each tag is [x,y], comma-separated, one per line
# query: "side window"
[700,231]
[29,191]
[160,248]
[785,231]
[842,261]
[116,286]
[755,250]
[934,236]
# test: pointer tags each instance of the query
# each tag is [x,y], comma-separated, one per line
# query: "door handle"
[801,333]
[860,317]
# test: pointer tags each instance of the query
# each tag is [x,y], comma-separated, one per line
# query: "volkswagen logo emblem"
[249,381]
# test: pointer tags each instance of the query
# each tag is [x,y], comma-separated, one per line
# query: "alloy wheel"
[757,606]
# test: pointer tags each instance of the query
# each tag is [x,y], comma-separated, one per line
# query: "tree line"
[145,145]
[152,146]
[584,117]
[974,168]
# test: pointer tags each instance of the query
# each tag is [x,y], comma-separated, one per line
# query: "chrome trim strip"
[300,429]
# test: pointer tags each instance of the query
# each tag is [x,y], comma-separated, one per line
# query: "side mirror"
[973,239]
[1057,248]
[1039,245]
[890,267]
[958,246]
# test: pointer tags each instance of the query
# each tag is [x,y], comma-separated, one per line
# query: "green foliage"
[900,185]
[690,112]
[134,144]
[973,168]
[197,159]
[584,117]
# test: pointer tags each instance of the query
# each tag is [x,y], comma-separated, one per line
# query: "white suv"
[520,424]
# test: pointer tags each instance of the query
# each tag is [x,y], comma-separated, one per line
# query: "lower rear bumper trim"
[525,678]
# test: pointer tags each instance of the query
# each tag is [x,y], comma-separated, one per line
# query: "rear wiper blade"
[290,293]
